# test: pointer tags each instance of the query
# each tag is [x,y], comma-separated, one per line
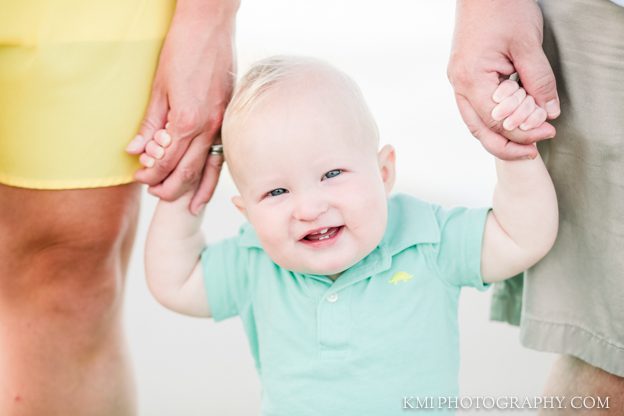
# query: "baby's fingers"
[508,105]
[162,138]
[536,119]
[146,160]
[520,114]
[504,90]
[154,150]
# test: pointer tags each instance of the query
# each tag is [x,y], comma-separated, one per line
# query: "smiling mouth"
[321,235]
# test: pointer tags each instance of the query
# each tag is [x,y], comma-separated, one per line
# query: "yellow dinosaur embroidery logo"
[400,277]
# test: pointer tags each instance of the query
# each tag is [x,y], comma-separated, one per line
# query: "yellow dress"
[75,79]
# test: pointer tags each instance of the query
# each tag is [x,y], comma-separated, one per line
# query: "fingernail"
[135,144]
[495,115]
[166,139]
[507,125]
[524,126]
[552,108]
[167,125]
[160,152]
[149,162]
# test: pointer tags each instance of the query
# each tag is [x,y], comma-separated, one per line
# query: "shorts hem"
[564,338]
[58,184]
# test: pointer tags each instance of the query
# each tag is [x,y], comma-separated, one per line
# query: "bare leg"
[63,256]
[572,377]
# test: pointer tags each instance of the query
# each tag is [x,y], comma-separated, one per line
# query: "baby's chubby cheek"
[275,241]
[369,212]
[371,226]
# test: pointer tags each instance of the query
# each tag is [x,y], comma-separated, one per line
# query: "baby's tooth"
[323,231]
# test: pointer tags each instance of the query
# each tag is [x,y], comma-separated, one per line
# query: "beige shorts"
[573,300]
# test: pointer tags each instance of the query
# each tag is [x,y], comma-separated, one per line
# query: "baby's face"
[311,181]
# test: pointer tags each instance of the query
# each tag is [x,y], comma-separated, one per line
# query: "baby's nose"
[310,206]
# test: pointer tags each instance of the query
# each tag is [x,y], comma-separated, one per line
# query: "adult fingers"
[537,77]
[154,119]
[183,128]
[137,145]
[493,142]
[186,174]
[479,96]
[162,169]
[545,131]
[208,183]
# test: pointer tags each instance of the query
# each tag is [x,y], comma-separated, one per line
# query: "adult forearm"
[209,11]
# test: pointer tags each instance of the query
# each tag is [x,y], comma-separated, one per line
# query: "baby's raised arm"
[172,257]
[523,224]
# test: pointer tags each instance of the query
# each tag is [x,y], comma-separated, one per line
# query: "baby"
[348,295]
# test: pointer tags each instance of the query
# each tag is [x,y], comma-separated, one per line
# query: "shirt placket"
[334,318]
[334,323]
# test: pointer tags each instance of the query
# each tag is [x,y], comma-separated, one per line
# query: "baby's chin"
[330,269]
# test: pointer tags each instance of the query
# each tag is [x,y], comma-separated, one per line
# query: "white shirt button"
[332,298]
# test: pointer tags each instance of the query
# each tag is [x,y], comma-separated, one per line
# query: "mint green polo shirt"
[384,331]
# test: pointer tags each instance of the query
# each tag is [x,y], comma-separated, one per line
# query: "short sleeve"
[459,251]
[225,270]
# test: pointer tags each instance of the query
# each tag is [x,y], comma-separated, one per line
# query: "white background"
[398,54]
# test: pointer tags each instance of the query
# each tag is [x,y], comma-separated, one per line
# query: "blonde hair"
[268,73]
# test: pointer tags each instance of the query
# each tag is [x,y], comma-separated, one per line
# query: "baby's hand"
[155,148]
[516,107]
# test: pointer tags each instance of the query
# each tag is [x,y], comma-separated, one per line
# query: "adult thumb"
[538,79]
[154,119]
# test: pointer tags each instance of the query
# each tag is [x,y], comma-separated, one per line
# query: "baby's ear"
[387,166]
[239,204]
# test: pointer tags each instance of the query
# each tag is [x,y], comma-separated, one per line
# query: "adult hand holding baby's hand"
[493,40]
[515,108]
[157,149]
[192,86]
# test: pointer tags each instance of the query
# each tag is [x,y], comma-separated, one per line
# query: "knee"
[73,274]
[78,281]
[66,253]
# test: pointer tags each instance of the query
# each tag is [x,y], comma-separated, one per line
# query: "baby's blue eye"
[332,173]
[277,192]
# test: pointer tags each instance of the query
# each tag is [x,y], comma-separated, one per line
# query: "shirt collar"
[410,222]
[247,236]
